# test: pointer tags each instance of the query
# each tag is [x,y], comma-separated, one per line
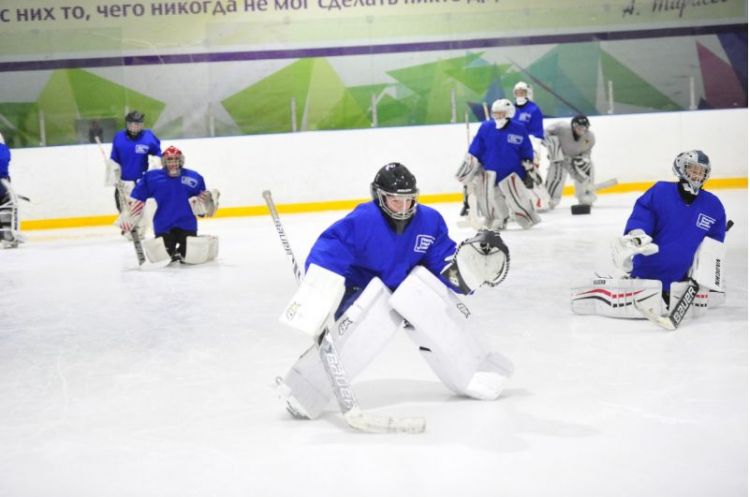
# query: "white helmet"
[2,139]
[693,168]
[502,110]
[524,87]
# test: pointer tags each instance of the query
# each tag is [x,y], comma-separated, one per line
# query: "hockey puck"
[580,209]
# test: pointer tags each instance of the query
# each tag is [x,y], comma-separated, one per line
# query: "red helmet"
[172,156]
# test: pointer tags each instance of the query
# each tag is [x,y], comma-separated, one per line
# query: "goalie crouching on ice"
[180,196]
[672,248]
[390,264]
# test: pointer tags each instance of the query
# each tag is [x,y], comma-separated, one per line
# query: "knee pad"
[200,249]
[361,332]
[519,201]
[613,297]
[439,325]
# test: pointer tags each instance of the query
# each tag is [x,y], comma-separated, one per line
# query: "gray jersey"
[569,145]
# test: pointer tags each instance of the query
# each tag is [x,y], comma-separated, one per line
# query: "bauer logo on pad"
[423,242]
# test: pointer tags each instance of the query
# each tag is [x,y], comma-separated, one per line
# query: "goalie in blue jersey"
[673,237]
[180,195]
[389,265]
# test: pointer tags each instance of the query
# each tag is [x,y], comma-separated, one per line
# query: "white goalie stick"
[605,184]
[672,320]
[120,187]
[355,417]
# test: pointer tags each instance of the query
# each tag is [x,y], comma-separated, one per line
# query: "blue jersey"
[132,153]
[677,228]
[4,161]
[502,150]
[172,198]
[530,116]
[362,245]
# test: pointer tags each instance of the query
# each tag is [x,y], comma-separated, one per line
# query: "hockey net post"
[355,417]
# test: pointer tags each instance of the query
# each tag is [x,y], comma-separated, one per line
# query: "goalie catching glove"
[626,247]
[481,260]
[532,175]
[580,168]
[206,204]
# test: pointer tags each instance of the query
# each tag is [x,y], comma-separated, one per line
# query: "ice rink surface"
[121,382]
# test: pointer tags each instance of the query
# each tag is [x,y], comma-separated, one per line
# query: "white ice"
[120,382]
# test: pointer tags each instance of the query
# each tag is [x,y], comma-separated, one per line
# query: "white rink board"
[339,165]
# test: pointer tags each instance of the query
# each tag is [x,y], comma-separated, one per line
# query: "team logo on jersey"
[140,148]
[515,139]
[188,181]
[524,116]
[705,222]
[423,242]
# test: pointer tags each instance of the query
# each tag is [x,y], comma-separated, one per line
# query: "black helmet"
[395,180]
[135,116]
[581,120]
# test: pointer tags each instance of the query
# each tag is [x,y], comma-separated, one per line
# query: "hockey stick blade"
[369,423]
[605,184]
[355,417]
[655,318]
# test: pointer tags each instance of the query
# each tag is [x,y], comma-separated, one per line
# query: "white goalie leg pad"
[556,176]
[484,184]
[439,324]
[708,264]
[360,334]
[519,202]
[318,296]
[200,249]
[154,250]
[615,297]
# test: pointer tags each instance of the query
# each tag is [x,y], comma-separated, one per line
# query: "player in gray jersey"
[569,147]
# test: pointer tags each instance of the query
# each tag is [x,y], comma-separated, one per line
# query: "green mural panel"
[265,106]
[629,88]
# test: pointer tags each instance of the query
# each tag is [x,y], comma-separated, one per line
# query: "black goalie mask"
[395,191]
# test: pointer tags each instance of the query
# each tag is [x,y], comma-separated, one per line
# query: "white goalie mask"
[522,92]
[693,168]
[502,111]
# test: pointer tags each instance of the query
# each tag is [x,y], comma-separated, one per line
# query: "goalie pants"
[175,240]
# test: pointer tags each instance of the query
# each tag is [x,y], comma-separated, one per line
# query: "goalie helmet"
[522,92]
[172,161]
[394,190]
[502,110]
[579,125]
[134,123]
[693,168]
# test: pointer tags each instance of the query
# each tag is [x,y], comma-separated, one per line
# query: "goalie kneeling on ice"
[199,249]
[615,297]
